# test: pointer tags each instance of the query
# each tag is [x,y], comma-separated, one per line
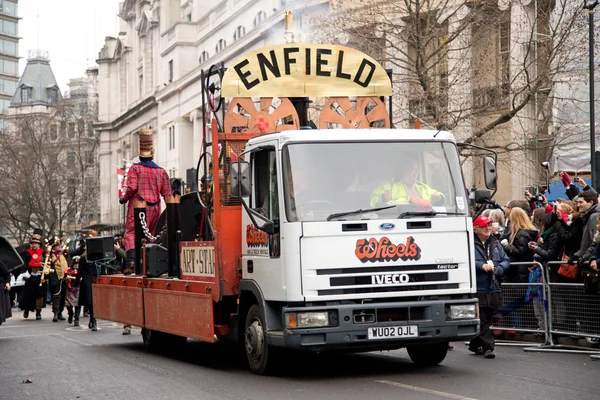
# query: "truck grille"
[387,279]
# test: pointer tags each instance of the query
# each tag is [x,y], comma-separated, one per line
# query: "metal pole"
[590,7]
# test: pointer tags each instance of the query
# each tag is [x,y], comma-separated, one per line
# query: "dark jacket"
[551,249]
[483,252]
[590,219]
[518,252]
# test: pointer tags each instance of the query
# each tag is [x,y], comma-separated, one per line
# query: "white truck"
[329,271]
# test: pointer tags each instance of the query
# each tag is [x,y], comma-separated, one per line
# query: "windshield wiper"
[426,214]
[359,211]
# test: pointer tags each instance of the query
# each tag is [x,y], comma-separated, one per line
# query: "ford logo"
[387,226]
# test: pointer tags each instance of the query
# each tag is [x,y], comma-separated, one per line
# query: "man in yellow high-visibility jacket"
[407,189]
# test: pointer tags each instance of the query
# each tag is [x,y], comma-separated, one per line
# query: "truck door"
[261,250]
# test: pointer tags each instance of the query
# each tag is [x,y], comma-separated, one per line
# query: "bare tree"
[467,66]
[49,170]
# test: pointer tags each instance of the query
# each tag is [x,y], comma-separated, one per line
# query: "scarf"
[148,163]
[547,233]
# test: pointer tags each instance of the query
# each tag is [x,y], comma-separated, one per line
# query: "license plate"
[391,332]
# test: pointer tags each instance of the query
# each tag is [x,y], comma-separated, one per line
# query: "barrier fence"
[550,308]
[524,307]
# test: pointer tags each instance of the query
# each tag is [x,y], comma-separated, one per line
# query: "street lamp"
[60,232]
[590,5]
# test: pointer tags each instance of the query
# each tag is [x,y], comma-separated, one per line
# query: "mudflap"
[180,313]
[123,304]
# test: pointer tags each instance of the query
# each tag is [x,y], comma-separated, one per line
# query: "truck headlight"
[312,319]
[463,311]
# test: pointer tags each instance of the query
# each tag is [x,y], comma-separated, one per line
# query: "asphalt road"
[65,363]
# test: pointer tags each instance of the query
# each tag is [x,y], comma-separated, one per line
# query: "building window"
[8,7]
[204,57]
[188,17]
[25,95]
[4,104]
[239,33]
[221,44]
[171,137]
[9,27]
[90,128]
[8,47]
[141,84]
[53,132]
[170,71]
[52,95]
[71,159]
[71,130]
[8,67]
[260,17]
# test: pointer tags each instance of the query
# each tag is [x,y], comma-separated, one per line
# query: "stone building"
[149,76]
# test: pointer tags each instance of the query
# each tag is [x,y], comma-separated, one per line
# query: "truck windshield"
[322,179]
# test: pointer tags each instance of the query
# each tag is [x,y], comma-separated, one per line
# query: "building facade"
[149,76]
[9,51]
[62,126]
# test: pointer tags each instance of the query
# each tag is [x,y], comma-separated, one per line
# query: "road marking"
[430,391]
[27,336]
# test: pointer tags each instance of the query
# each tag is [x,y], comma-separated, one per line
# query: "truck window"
[265,184]
[325,178]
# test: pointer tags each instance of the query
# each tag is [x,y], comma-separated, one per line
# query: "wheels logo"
[387,226]
[374,250]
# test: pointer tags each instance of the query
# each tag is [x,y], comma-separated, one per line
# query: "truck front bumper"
[351,324]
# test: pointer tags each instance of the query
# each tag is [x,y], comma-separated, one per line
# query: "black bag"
[494,284]
[591,283]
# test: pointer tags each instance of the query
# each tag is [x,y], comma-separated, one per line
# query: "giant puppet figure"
[146,181]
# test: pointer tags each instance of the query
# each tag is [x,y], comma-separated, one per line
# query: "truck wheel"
[259,354]
[428,355]
[153,340]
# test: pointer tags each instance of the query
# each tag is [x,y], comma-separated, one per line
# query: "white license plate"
[391,332]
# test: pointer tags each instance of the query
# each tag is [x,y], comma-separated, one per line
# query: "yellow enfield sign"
[301,70]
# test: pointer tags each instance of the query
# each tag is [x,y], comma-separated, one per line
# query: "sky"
[71,31]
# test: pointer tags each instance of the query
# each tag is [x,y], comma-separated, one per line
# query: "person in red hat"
[490,264]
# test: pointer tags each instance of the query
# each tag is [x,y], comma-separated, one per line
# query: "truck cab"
[355,240]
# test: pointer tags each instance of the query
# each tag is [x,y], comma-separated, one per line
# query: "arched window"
[260,17]
[203,57]
[221,44]
[239,33]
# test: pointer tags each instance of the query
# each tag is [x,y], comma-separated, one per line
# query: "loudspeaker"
[176,186]
[9,256]
[100,248]
[157,260]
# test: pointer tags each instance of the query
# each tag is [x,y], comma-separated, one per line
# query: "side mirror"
[268,227]
[490,173]
[482,196]
[240,179]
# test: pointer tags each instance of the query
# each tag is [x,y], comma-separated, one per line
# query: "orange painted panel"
[121,304]
[180,313]
[230,243]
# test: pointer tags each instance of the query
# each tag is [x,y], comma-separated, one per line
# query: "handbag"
[568,271]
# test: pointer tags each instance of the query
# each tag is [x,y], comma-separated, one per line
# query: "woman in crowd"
[516,245]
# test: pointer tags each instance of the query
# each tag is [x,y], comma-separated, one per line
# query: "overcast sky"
[71,31]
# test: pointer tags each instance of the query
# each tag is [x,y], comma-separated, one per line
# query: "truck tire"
[153,340]
[428,355]
[261,356]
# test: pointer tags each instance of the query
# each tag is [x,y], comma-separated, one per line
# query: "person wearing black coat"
[519,251]
[551,246]
[5,304]
[85,279]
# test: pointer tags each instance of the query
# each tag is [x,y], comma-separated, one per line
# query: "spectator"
[499,221]
[490,263]
[516,245]
[587,204]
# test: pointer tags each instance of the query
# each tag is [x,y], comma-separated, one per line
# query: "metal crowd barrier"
[570,312]
[525,308]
